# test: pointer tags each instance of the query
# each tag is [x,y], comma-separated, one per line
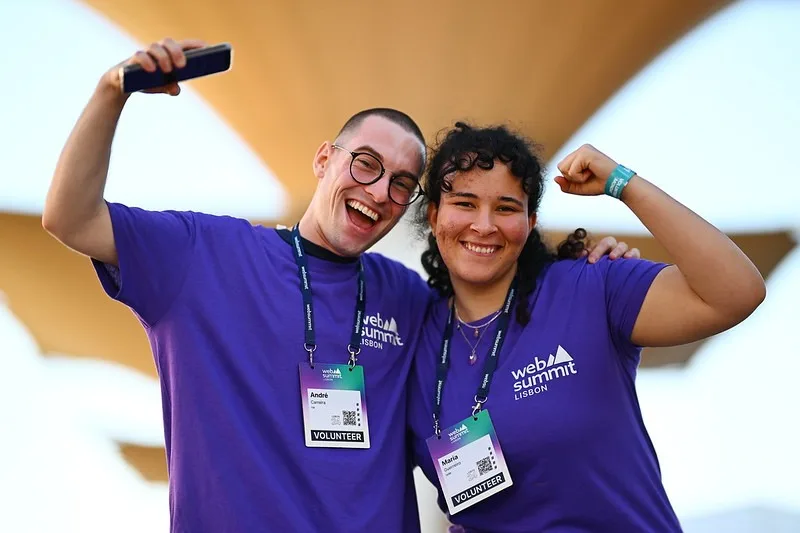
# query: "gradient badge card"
[469,462]
[334,406]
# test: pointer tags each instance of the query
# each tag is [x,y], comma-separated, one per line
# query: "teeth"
[480,249]
[358,206]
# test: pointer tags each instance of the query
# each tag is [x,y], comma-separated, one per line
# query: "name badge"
[334,408]
[469,462]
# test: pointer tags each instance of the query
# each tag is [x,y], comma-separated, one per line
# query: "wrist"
[633,190]
[617,181]
[110,94]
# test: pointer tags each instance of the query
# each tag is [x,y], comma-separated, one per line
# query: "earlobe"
[321,160]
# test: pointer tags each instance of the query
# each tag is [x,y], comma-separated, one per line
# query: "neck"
[311,231]
[475,301]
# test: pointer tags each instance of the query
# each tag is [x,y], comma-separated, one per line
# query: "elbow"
[756,290]
[751,296]
[55,223]
[51,222]
[758,293]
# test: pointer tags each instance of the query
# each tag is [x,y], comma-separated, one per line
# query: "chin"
[352,241]
[348,249]
[352,246]
[477,277]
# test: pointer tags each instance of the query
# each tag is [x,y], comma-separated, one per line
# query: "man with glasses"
[282,354]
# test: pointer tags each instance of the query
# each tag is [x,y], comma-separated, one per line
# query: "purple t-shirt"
[221,304]
[564,406]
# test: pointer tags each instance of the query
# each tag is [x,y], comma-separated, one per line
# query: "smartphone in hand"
[199,62]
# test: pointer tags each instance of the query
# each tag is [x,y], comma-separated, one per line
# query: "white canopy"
[714,121]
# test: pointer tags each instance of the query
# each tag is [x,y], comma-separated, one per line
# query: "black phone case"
[199,62]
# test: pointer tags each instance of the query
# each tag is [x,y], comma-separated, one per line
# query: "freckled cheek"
[450,226]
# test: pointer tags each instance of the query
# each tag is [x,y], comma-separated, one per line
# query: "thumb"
[566,185]
[173,89]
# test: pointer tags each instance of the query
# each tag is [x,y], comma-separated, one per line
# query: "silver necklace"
[478,330]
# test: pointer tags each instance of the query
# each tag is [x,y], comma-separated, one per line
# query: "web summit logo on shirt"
[534,378]
[457,433]
[379,331]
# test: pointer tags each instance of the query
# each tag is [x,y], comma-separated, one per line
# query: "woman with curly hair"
[523,407]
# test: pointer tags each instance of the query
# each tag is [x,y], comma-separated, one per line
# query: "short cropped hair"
[392,115]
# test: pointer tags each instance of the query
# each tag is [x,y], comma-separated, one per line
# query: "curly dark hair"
[463,148]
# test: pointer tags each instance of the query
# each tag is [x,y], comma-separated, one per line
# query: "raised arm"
[75,212]
[711,287]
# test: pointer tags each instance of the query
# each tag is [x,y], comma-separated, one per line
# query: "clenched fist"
[585,171]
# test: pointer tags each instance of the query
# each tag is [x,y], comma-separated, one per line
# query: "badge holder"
[333,396]
[469,461]
[467,456]
[334,403]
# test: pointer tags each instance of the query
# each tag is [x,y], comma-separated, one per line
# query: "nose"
[484,223]
[379,191]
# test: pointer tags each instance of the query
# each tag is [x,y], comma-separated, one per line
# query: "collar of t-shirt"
[314,250]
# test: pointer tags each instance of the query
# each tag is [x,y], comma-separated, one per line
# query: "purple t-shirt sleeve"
[626,285]
[154,250]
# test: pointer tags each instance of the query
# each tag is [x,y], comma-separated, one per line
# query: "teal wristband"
[617,181]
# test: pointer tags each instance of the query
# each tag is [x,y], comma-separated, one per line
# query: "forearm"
[76,191]
[713,266]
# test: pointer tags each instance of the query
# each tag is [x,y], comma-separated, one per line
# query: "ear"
[433,215]
[321,159]
[531,222]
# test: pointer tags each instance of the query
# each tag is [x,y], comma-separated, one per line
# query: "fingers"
[603,247]
[566,163]
[575,166]
[166,55]
[579,170]
[173,89]
[145,61]
[614,249]
[175,52]
[161,57]
[567,186]
[619,250]
[191,44]
[633,253]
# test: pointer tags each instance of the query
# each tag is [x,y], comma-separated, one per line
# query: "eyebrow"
[377,154]
[509,199]
[512,200]
[370,149]
[462,195]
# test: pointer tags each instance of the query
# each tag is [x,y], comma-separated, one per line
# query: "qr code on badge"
[349,418]
[485,465]
[336,420]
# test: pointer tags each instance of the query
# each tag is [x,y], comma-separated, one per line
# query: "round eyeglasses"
[367,169]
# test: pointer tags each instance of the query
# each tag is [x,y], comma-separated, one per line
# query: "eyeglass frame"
[353,156]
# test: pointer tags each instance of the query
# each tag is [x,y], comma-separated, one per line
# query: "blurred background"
[700,97]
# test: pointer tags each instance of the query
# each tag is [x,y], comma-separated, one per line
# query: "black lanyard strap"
[310,344]
[488,367]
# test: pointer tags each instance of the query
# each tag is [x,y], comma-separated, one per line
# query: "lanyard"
[308,306]
[488,368]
